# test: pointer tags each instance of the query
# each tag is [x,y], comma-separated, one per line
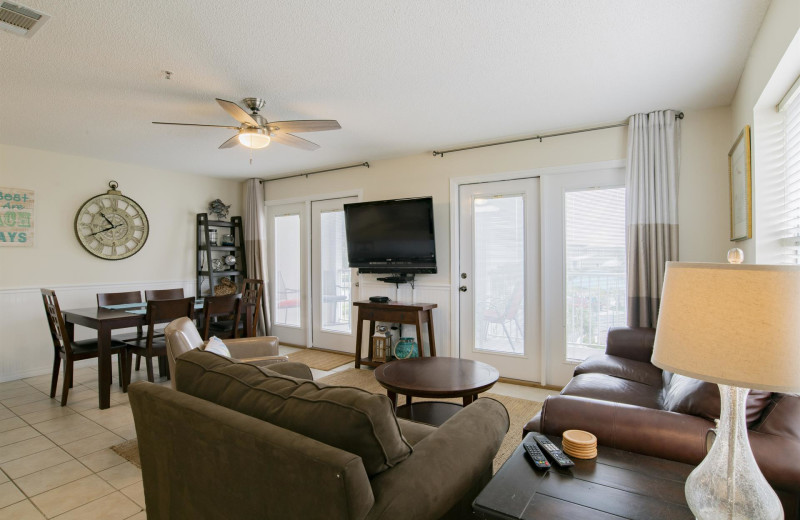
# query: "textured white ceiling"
[401,77]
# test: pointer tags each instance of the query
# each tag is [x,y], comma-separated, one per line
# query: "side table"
[617,484]
[393,312]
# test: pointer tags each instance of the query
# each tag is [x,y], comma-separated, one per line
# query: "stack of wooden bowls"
[579,444]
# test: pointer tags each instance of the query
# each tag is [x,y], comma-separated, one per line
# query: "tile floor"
[57,463]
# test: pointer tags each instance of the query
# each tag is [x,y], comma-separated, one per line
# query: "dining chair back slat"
[163,294]
[118,298]
[252,291]
[58,328]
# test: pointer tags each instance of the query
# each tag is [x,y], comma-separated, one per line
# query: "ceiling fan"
[256,132]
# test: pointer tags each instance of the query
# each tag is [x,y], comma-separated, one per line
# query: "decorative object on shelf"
[230,261]
[734,325]
[111,226]
[740,175]
[228,240]
[226,286]
[217,264]
[381,343]
[212,237]
[406,348]
[219,208]
[16,217]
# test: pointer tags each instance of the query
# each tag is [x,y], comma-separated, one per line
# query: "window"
[287,270]
[594,267]
[789,107]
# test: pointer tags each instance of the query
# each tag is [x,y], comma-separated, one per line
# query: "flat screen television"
[391,236]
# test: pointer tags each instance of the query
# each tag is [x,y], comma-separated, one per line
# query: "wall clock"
[111,226]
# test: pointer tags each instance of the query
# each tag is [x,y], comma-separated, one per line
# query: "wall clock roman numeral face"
[111,226]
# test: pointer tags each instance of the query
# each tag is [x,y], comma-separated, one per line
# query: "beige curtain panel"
[255,243]
[652,210]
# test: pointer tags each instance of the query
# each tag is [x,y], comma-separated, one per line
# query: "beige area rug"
[320,359]
[129,450]
[520,412]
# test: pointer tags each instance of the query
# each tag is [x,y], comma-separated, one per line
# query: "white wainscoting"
[26,348]
[422,293]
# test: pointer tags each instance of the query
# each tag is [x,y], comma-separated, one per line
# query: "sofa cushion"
[348,418]
[623,368]
[610,388]
[782,417]
[700,398]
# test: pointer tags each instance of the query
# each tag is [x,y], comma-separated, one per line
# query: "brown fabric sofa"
[630,404]
[240,441]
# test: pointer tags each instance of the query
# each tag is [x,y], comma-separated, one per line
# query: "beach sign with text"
[16,217]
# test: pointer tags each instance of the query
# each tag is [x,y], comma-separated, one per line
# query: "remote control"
[537,457]
[557,455]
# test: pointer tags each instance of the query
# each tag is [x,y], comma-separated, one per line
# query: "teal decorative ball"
[406,348]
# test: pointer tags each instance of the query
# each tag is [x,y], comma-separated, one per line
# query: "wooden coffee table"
[434,377]
[617,484]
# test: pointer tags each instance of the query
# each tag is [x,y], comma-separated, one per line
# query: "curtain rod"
[262,181]
[679,115]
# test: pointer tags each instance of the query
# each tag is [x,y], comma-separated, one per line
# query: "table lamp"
[734,325]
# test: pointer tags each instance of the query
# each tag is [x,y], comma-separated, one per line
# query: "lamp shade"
[735,325]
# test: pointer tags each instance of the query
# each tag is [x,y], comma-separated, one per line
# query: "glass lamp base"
[728,484]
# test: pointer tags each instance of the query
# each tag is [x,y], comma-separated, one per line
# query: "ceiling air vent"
[20,20]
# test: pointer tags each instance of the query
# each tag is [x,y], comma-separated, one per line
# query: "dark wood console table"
[393,312]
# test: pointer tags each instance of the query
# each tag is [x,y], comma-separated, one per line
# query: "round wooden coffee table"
[434,377]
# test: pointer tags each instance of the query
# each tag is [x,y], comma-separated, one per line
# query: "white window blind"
[790,221]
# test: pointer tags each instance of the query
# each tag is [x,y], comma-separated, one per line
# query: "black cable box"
[379,299]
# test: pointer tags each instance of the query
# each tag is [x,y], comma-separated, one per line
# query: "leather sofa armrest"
[292,369]
[631,343]
[260,346]
[777,458]
[648,431]
[446,467]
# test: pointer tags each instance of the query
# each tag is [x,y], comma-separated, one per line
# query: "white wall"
[767,57]
[62,183]
[703,195]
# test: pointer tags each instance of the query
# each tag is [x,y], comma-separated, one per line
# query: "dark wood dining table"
[103,321]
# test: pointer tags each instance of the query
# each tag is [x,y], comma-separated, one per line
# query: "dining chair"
[226,307]
[119,298]
[68,350]
[150,346]
[252,291]
[159,294]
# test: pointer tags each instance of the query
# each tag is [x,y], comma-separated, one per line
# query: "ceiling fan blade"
[230,143]
[293,140]
[237,112]
[306,125]
[193,124]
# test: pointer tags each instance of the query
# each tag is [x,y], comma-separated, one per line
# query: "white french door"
[311,285]
[499,302]
[288,272]
[584,265]
[332,281]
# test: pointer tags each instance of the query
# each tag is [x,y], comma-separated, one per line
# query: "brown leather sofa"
[629,403]
[241,441]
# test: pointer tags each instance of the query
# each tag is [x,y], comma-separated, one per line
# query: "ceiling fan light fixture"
[254,138]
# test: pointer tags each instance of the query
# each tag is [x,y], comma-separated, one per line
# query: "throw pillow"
[215,345]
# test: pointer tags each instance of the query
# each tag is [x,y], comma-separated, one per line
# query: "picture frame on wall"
[741,187]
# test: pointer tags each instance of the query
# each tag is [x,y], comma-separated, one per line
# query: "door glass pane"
[594,267]
[287,270]
[499,261]
[334,273]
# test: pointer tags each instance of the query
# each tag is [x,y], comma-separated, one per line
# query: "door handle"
[463,288]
